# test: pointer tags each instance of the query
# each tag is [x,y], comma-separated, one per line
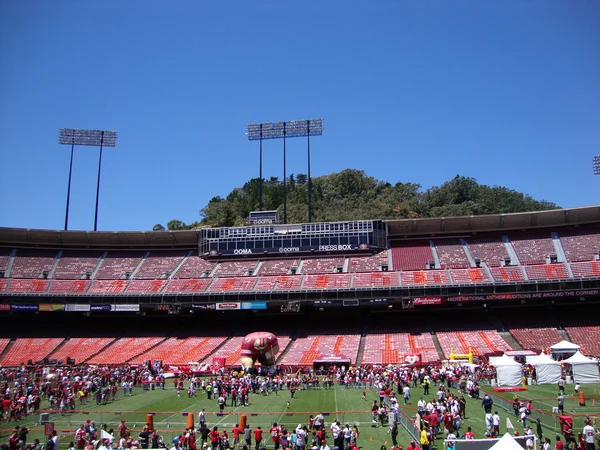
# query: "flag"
[105,435]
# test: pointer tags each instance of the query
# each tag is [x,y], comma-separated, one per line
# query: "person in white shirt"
[588,435]
[406,394]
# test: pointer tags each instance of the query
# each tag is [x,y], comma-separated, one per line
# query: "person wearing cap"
[301,436]
[412,446]
[324,445]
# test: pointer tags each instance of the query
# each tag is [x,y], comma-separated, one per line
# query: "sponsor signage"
[24,307]
[533,295]
[427,301]
[125,308]
[254,305]
[100,307]
[4,307]
[51,307]
[301,249]
[228,306]
[204,306]
[77,308]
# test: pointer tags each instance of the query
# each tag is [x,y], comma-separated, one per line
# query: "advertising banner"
[33,308]
[104,308]
[4,307]
[228,306]
[254,305]
[77,308]
[125,308]
[427,301]
[51,307]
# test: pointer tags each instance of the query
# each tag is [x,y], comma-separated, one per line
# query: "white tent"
[506,442]
[508,371]
[585,370]
[548,371]
[564,347]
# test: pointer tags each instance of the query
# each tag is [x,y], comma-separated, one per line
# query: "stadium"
[358,294]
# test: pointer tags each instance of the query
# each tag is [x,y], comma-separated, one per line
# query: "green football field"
[343,404]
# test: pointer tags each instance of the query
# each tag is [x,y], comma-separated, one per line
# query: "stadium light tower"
[597,165]
[284,130]
[90,138]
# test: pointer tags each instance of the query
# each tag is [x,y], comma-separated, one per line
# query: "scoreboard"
[261,239]
[264,217]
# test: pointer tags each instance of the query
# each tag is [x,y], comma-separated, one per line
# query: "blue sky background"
[507,92]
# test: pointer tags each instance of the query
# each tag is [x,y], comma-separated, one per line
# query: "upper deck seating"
[322,265]
[32,263]
[451,254]
[371,263]
[277,266]
[159,265]
[76,265]
[195,267]
[118,265]
[533,249]
[411,255]
[490,250]
[235,268]
[581,245]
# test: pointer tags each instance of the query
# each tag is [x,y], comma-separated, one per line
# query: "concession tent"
[548,371]
[564,347]
[508,371]
[585,370]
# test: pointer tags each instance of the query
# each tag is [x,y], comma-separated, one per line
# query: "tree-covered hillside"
[351,194]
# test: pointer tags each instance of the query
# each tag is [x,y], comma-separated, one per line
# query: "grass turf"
[344,404]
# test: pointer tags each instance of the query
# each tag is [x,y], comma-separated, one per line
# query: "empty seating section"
[536,338]
[508,273]
[547,272]
[146,286]
[80,349]
[3,343]
[159,265]
[277,266]
[29,286]
[70,286]
[580,246]
[4,259]
[491,251]
[34,349]
[108,286]
[3,283]
[372,263]
[32,263]
[195,267]
[375,279]
[385,348]
[235,268]
[288,283]
[232,284]
[266,283]
[533,249]
[307,349]
[451,254]
[481,342]
[423,344]
[588,337]
[118,265]
[330,281]
[425,277]
[407,256]
[124,349]
[322,265]
[586,269]
[474,275]
[178,351]
[230,350]
[188,285]
[75,265]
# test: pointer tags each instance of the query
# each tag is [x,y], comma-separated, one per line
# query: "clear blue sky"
[507,92]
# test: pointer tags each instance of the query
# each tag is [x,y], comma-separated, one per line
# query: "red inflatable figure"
[260,346]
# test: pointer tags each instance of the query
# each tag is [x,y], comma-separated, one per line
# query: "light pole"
[90,138]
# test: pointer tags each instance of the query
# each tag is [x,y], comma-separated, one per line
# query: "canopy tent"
[548,371]
[564,347]
[585,370]
[506,442]
[508,371]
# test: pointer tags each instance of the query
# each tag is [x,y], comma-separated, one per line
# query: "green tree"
[176,225]
[158,227]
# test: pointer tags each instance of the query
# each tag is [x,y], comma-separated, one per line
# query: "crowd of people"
[440,411]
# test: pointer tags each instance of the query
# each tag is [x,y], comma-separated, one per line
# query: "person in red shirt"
[469,435]
[214,438]
[275,435]
[559,444]
[236,435]
[413,446]
[258,437]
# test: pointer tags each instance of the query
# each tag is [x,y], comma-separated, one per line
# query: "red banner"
[218,362]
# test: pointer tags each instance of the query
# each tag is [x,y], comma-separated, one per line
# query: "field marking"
[336,402]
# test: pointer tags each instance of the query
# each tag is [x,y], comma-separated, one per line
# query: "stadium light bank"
[90,138]
[597,165]
[284,130]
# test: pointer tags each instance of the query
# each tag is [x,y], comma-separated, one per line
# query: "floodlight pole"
[260,181]
[98,184]
[596,165]
[69,186]
[309,193]
[284,180]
